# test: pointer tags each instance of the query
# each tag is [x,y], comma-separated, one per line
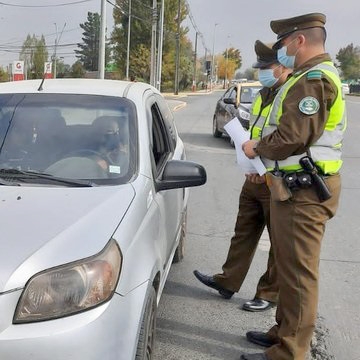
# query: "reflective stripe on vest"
[326,151]
[258,117]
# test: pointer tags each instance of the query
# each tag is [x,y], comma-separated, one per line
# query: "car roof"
[250,84]
[76,86]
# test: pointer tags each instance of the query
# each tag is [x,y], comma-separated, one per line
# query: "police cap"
[265,55]
[284,27]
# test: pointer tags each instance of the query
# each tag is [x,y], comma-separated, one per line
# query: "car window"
[230,93]
[70,136]
[168,118]
[248,93]
[160,139]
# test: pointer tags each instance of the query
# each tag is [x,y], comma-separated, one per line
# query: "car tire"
[146,343]
[180,250]
[216,131]
[232,143]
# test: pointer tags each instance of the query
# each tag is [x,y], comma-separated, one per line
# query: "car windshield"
[248,94]
[70,136]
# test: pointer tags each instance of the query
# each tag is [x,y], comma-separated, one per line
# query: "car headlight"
[70,288]
[244,114]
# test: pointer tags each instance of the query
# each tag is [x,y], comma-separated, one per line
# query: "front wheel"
[216,131]
[145,348]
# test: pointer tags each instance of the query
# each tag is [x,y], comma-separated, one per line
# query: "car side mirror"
[230,101]
[181,174]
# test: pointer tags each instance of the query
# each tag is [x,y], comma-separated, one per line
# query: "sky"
[222,23]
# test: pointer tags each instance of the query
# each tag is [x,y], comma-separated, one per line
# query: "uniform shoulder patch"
[309,105]
[314,75]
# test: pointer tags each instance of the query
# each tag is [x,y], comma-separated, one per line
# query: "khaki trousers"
[253,215]
[297,227]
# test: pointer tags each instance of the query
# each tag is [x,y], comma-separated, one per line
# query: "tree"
[77,70]
[4,76]
[63,70]
[349,61]
[234,55]
[40,57]
[140,41]
[88,54]
[140,36]
[226,67]
[34,54]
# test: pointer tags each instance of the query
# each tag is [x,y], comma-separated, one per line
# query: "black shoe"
[258,305]
[260,338]
[210,282]
[258,356]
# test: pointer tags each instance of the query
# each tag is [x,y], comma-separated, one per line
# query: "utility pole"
[128,43]
[57,39]
[177,58]
[194,76]
[160,47]
[153,45]
[212,73]
[226,64]
[101,66]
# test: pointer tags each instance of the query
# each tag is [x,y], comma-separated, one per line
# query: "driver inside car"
[110,135]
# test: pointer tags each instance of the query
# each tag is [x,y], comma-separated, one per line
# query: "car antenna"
[42,82]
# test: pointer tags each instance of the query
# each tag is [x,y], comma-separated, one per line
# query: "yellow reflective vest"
[258,116]
[326,151]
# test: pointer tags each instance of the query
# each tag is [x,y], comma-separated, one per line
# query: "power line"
[45,6]
[124,12]
[192,20]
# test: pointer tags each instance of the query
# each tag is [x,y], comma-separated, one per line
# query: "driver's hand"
[103,164]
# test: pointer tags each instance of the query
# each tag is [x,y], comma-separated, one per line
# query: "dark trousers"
[297,227]
[253,215]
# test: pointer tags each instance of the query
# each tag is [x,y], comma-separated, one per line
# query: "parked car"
[345,88]
[94,189]
[235,102]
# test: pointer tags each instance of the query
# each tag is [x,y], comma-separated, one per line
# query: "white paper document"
[239,136]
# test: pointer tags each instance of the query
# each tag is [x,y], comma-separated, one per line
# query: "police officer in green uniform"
[307,122]
[254,204]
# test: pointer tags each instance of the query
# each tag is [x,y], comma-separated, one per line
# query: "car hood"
[45,227]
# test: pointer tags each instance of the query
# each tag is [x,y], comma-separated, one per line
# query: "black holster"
[321,188]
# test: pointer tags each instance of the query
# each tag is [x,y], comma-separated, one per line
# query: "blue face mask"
[284,59]
[267,78]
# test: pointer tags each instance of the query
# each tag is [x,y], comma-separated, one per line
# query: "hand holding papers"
[239,136]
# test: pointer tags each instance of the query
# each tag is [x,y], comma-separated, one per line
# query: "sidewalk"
[171,95]
[175,103]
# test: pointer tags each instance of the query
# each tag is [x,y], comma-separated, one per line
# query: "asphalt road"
[194,322]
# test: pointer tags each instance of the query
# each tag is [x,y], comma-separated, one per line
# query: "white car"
[345,88]
[94,187]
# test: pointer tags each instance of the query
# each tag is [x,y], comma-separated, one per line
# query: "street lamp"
[213,58]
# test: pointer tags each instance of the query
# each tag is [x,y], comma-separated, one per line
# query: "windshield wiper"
[8,183]
[23,175]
